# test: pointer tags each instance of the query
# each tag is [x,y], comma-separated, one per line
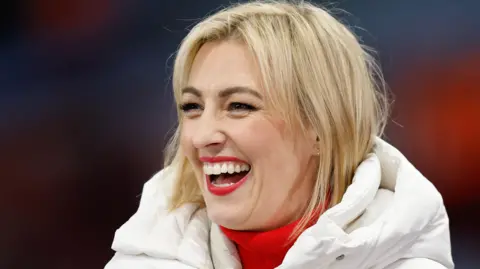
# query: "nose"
[209,134]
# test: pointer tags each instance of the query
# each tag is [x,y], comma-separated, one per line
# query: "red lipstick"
[223,190]
[219,159]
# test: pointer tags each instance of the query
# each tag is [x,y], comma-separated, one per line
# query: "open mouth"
[227,179]
[225,174]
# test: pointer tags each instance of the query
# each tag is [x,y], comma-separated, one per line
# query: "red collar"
[264,250]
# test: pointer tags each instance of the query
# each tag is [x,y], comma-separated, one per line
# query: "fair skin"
[225,114]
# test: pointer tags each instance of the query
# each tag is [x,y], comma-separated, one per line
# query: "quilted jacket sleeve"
[153,238]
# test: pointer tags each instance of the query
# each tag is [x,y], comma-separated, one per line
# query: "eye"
[241,107]
[190,108]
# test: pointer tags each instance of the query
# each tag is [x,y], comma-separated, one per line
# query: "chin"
[224,215]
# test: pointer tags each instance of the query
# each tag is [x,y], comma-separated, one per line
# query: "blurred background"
[85,110]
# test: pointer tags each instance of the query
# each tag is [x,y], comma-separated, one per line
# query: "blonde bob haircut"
[315,74]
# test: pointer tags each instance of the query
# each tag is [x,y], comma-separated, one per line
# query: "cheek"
[188,149]
[186,144]
[259,136]
[275,154]
[266,143]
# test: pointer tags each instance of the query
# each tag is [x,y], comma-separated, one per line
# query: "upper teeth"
[226,167]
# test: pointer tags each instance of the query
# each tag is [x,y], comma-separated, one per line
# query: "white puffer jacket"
[391,217]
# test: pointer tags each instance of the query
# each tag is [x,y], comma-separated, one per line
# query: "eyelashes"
[187,107]
[239,108]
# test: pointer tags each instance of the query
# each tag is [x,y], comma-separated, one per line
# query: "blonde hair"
[315,73]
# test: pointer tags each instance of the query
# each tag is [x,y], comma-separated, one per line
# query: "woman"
[277,160]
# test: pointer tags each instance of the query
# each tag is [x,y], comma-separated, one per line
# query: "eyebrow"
[225,92]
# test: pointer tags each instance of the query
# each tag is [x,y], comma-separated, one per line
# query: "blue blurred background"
[85,110]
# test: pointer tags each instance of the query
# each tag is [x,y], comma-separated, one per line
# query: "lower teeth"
[223,184]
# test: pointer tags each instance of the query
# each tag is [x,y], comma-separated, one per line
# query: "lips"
[224,174]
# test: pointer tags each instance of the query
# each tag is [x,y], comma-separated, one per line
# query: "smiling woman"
[277,160]
[227,122]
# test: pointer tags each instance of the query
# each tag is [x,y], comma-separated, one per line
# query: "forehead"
[224,64]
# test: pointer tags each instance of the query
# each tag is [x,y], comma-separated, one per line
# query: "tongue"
[229,178]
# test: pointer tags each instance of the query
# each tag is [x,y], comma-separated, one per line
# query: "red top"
[263,250]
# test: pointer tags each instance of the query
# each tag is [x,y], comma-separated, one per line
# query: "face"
[253,174]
